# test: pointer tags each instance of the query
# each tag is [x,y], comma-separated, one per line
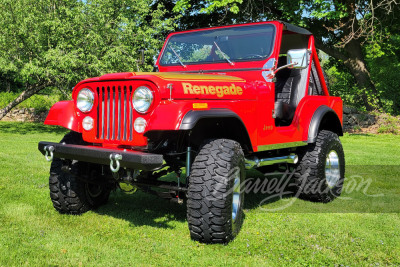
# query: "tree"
[346,26]
[52,43]
[341,27]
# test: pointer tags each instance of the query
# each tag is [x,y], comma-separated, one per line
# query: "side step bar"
[255,162]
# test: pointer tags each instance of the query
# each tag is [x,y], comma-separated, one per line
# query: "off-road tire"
[310,174]
[69,194]
[210,192]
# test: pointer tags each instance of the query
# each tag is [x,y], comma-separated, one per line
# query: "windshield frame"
[221,61]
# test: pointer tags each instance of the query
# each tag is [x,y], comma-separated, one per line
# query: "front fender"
[192,117]
[63,114]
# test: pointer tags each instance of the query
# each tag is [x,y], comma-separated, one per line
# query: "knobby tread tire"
[67,192]
[310,171]
[209,206]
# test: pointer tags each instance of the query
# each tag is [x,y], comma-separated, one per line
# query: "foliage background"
[56,44]
[51,45]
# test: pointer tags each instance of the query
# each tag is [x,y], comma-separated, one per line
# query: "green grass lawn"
[142,229]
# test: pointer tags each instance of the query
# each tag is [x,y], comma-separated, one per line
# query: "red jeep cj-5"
[222,100]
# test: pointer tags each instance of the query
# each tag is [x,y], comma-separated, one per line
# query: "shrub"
[40,102]
[389,124]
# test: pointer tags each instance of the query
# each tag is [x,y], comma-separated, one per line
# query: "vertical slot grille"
[114,113]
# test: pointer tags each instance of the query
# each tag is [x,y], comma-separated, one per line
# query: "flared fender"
[63,114]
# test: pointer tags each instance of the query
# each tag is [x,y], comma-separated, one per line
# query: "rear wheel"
[320,171]
[215,197]
[68,191]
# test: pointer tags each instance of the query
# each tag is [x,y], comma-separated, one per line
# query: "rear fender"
[324,118]
[63,114]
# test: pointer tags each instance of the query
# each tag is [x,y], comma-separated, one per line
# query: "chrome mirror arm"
[274,71]
[285,66]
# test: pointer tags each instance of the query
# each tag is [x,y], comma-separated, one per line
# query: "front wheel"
[320,172]
[69,192]
[215,198]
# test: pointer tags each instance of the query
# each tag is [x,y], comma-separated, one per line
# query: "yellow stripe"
[191,77]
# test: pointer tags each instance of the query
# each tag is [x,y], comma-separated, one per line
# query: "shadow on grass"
[29,128]
[257,196]
[362,134]
[145,209]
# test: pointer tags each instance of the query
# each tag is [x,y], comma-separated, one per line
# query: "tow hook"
[49,152]
[117,158]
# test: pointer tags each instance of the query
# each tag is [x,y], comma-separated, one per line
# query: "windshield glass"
[233,44]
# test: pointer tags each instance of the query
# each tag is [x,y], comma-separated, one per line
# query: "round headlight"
[142,99]
[85,100]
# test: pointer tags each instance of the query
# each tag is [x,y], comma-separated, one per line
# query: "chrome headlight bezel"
[85,100]
[142,99]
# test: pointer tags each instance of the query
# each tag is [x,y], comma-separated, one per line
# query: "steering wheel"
[253,56]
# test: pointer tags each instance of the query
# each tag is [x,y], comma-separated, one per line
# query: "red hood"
[188,86]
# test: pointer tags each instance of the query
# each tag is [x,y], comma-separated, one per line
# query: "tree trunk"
[357,66]
[353,58]
[30,91]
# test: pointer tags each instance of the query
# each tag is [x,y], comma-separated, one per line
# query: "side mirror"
[299,56]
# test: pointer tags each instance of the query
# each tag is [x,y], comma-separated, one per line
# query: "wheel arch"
[216,123]
[324,118]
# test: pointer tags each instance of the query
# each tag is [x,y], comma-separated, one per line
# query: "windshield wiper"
[178,57]
[223,54]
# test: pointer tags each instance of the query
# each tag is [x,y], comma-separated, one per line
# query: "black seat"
[287,93]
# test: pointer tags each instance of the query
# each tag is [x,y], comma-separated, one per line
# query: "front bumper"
[130,159]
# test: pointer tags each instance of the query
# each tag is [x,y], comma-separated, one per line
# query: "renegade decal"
[220,91]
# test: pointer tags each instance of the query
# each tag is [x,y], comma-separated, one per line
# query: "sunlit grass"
[142,229]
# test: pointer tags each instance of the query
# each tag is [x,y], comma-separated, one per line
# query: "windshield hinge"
[170,87]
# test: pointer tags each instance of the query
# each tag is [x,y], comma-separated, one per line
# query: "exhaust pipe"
[256,162]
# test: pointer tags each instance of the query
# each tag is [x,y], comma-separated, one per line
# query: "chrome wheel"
[236,197]
[332,169]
